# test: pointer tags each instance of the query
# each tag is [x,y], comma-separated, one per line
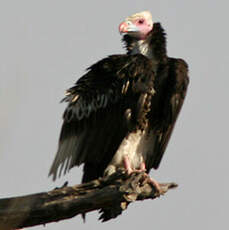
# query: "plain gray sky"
[46,45]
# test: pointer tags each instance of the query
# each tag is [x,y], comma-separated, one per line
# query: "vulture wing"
[177,87]
[96,118]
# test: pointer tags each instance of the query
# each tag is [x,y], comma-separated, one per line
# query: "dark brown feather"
[95,120]
[163,120]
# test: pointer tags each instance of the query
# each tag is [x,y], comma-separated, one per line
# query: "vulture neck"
[142,47]
[153,47]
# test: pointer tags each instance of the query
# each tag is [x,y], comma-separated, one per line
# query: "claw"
[127,166]
[155,184]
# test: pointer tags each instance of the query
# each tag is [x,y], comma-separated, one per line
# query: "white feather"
[136,147]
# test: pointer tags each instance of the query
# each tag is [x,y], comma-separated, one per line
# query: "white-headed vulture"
[121,113]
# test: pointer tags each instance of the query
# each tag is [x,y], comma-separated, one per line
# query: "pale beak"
[128,27]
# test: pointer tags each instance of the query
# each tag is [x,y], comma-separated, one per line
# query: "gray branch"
[110,195]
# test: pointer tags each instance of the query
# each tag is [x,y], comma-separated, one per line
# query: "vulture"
[122,111]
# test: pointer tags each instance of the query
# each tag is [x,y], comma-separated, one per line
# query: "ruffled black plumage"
[95,120]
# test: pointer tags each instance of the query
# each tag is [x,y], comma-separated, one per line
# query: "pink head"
[137,25]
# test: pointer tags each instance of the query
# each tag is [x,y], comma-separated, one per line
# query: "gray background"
[46,45]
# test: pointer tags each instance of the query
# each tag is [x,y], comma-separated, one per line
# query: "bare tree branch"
[110,195]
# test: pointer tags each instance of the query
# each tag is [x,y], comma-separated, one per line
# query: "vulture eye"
[141,21]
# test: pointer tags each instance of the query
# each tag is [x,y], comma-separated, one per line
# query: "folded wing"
[159,136]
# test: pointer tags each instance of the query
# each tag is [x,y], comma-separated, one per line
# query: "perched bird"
[121,113]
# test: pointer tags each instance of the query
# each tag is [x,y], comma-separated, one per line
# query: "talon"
[156,185]
[153,182]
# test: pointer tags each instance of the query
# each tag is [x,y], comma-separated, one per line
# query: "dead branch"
[110,195]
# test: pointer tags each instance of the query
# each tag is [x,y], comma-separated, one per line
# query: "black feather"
[94,120]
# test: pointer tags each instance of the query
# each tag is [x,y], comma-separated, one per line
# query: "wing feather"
[160,136]
[94,120]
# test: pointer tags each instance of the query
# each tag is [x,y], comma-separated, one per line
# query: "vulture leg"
[128,168]
[155,184]
[127,164]
[150,180]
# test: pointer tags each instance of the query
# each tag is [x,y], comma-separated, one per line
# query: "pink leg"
[150,179]
[155,184]
[127,166]
[143,166]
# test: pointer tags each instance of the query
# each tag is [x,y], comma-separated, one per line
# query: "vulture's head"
[137,25]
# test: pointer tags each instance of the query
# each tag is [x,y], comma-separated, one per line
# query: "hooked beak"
[128,27]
